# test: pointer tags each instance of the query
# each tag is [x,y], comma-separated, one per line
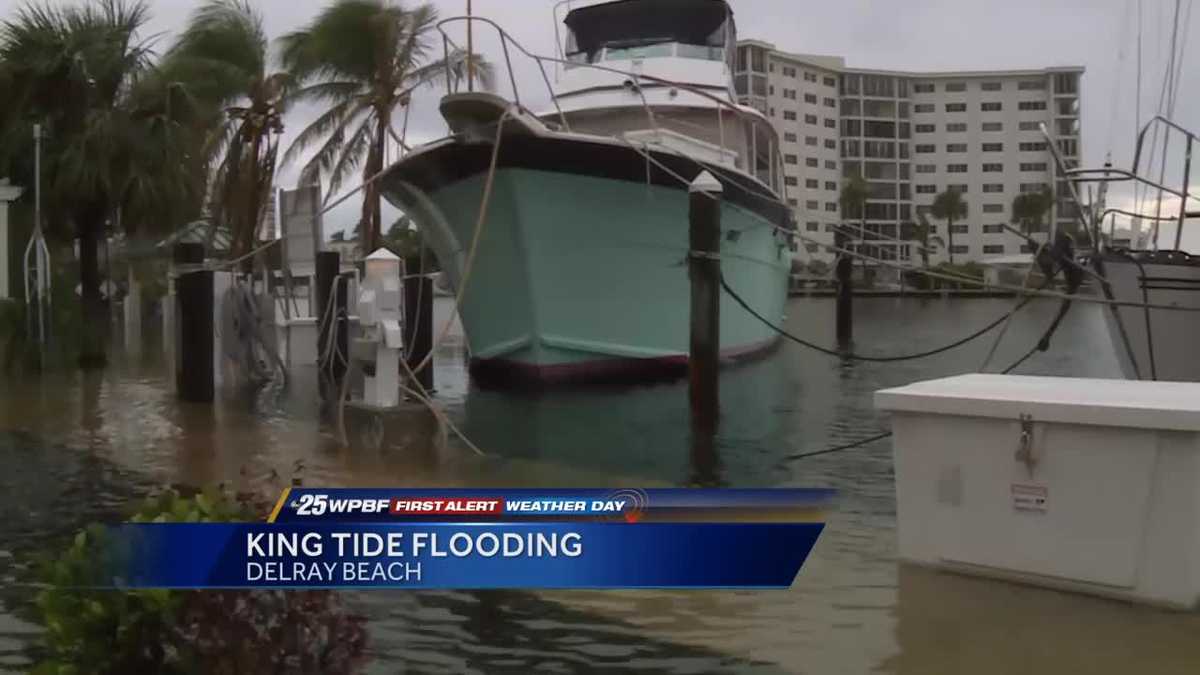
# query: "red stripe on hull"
[507,372]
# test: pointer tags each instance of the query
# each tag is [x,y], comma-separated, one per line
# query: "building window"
[993,208]
[923,148]
[789,115]
[810,119]
[788,71]
[926,128]
[830,81]
[956,147]
[831,144]
[1031,105]
[831,163]
[810,140]
[993,147]
[923,88]
[960,188]
[991,106]
[960,249]
[993,126]
[789,159]
[1066,83]
[812,205]
[811,183]
[1033,147]
[993,229]
[927,189]
[923,108]
[956,107]
[811,247]
[789,137]
[961,229]
[810,77]
[1033,166]
[831,185]
[1068,146]
[830,227]
[789,93]
[830,103]
[927,168]
[831,207]
[1030,85]
[1030,126]
[956,127]
[956,168]
[993,249]
[810,161]
[771,90]
[794,203]
[1033,187]
[993,187]
[791,181]
[953,87]
[830,123]
[990,86]
[810,98]
[993,168]
[772,112]
[812,227]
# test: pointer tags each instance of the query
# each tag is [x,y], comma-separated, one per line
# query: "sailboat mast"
[470,49]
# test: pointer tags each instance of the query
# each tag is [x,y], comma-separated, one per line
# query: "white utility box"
[1079,484]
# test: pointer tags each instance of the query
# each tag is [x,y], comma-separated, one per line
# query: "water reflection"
[76,448]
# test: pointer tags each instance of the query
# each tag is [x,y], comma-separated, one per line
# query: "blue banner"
[479,555]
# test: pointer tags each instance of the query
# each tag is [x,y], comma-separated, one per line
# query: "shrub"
[179,632]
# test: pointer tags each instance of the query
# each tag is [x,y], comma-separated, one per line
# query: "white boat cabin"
[660,72]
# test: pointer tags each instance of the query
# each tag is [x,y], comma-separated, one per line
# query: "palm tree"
[922,231]
[222,59]
[1028,209]
[949,206]
[363,59]
[74,69]
[853,199]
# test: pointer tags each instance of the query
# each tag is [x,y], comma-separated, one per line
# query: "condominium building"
[912,136]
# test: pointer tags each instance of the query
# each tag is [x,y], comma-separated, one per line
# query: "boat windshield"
[636,29]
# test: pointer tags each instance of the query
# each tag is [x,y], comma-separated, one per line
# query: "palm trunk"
[372,213]
[950,234]
[95,320]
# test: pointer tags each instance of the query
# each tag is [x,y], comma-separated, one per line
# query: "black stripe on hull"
[453,162]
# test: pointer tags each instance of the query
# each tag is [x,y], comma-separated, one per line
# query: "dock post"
[845,291]
[704,270]
[418,313]
[194,372]
[328,269]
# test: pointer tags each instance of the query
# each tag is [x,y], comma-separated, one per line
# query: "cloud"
[887,34]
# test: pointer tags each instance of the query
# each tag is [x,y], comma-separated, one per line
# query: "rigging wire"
[862,357]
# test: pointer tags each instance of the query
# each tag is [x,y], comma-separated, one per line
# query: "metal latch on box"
[1024,452]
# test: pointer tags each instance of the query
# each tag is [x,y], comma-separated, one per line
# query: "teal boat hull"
[584,277]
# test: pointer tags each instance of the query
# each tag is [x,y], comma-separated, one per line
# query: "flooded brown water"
[76,448]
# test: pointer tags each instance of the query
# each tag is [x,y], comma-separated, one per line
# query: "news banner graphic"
[477,539]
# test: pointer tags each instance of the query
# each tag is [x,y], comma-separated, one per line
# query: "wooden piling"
[418,314]
[328,268]
[845,291]
[194,375]
[704,270]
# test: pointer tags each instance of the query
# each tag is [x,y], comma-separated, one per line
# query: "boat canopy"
[630,29]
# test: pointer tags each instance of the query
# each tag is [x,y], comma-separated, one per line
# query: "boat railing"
[454,82]
[1111,174]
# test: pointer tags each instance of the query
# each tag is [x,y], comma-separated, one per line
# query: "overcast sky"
[887,34]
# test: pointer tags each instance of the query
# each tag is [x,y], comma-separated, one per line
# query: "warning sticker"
[1030,498]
